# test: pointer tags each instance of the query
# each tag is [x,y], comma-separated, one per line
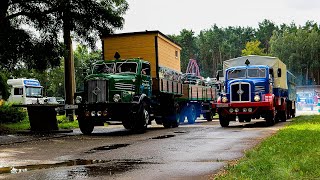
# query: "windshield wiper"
[117,69]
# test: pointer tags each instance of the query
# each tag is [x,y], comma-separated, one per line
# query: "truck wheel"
[86,126]
[209,116]
[141,118]
[283,116]
[270,118]
[192,114]
[224,121]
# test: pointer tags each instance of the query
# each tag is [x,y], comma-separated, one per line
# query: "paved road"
[189,151]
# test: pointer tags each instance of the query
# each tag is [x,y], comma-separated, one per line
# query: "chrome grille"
[97,91]
[240,92]
[261,89]
[123,86]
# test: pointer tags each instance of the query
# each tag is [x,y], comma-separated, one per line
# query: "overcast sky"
[171,16]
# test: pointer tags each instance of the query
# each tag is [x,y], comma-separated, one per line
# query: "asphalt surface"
[188,152]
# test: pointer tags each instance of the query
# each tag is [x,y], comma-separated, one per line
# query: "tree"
[18,45]
[264,33]
[252,48]
[4,88]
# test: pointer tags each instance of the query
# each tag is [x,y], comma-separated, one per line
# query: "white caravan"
[25,91]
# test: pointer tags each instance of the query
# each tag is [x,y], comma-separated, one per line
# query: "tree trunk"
[69,78]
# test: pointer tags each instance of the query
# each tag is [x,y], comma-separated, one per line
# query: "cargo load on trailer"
[256,86]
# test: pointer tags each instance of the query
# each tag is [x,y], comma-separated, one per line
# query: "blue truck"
[255,87]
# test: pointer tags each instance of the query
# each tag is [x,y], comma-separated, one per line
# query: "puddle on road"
[19,169]
[107,169]
[95,168]
[107,148]
[163,137]
[179,132]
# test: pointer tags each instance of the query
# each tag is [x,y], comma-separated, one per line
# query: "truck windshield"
[33,91]
[250,73]
[257,73]
[236,73]
[104,68]
[126,67]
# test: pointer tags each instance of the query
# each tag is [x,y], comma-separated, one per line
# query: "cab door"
[145,87]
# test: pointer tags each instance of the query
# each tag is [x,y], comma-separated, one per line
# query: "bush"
[9,114]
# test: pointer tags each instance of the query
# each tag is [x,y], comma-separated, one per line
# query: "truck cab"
[247,83]
[114,91]
[25,91]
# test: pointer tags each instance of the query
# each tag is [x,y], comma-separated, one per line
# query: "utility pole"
[69,78]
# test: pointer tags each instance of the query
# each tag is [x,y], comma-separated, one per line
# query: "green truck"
[136,91]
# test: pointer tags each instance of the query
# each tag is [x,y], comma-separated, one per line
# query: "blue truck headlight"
[256,98]
[116,98]
[224,99]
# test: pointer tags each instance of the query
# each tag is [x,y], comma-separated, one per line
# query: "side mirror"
[279,72]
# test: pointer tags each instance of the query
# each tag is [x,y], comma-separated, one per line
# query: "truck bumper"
[244,108]
[102,112]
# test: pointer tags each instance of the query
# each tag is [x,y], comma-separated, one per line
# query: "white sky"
[171,16]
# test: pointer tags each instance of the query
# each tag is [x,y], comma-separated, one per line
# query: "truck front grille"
[259,89]
[97,91]
[240,92]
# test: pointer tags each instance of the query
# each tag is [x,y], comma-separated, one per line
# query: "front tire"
[86,126]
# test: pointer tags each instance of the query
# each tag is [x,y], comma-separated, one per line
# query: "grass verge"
[292,153]
[63,123]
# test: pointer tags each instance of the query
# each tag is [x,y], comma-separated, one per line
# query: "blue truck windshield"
[247,73]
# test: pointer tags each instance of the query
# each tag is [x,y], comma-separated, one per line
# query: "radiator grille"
[97,91]
[240,92]
[259,89]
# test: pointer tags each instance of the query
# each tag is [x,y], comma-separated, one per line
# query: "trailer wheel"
[209,116]
[192,114]
[86,126]
[270,118]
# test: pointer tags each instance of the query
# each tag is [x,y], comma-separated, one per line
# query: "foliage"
[252,48]
[64,123]
[290,154]
[10,114]
[4,88]
[83,61]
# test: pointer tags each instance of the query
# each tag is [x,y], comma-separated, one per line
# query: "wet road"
[189,151]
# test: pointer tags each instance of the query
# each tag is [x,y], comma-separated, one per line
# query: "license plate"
[222,105]
[70,106]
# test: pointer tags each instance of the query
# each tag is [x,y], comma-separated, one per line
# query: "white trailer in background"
[25,91]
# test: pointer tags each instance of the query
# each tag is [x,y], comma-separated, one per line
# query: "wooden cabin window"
[176,53]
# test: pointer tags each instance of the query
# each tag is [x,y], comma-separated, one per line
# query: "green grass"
[63,123]
[292,153]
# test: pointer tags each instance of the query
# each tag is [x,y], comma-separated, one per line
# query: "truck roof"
[23,81]
[122,60]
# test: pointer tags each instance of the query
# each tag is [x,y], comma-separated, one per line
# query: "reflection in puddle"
[19,169]
[107,148]
[163,137]
[84,168]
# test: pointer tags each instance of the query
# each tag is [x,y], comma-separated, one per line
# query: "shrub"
[9,114]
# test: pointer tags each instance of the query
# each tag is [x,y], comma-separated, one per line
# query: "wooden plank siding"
[143,45]
[167,54]
[132,46]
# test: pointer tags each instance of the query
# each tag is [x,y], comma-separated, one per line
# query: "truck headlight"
[256,98]
[78,99]
[224,99]
[116,98]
